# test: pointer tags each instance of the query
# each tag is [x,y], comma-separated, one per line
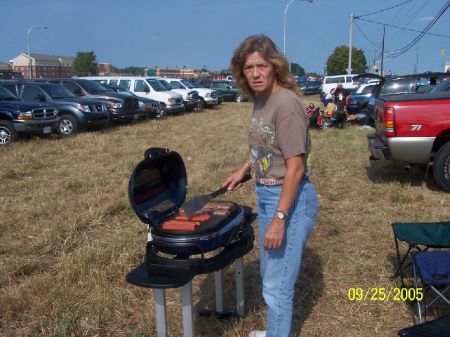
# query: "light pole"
[284,25]
[28,46]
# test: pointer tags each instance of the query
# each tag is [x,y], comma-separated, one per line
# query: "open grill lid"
[158,185]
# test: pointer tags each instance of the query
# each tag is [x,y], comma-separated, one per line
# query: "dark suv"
[405,84]
[409,84]
[121,108]
[76,113]
[229,91]
[24,117]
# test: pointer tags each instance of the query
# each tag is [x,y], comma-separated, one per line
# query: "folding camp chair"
[439,327]
[419,236]
[431,274]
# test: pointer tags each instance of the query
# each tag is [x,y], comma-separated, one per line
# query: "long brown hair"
[267,48]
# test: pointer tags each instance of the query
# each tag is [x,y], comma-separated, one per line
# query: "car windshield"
[92,87]
[57,91]
[187,84]
[156,84]
[397,86]
[442,87]
[6,95]
[167,85]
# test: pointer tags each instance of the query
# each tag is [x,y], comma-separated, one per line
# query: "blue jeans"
[280,267]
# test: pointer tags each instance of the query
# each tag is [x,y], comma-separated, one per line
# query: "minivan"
[330,82]
[147,87]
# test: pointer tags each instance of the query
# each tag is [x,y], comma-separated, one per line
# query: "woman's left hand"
[274,235]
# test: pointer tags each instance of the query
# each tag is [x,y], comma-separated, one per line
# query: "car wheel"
[67,126]
[238,98]
[7,133]
[441,167]
[198,107]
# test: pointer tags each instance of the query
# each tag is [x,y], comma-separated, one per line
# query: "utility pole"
[382,53]
[349,69]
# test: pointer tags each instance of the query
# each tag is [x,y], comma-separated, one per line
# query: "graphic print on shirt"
[261,139]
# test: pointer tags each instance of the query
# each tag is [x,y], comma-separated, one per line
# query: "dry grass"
[68,236]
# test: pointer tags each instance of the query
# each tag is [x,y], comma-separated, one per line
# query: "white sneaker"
[257,333]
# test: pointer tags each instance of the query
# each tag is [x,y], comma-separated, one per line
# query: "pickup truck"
[22,117]
[75,113]
[414,129]
[208,97]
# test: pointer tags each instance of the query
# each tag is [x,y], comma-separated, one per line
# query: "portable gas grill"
[179,247]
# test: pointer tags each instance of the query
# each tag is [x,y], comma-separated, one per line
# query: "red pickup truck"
[415,129]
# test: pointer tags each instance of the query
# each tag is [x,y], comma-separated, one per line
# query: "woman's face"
[260,74]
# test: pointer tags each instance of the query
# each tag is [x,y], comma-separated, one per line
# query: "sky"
[204,33]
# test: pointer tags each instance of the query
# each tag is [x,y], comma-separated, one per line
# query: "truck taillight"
[389,121]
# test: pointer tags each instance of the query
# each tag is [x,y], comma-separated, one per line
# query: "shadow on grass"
[380,172]
[309,288]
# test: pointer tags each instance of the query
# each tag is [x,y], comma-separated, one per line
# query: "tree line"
[85,64]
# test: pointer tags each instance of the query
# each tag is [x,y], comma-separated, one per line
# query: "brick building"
[43,65]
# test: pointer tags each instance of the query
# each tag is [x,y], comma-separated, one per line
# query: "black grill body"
[157,189]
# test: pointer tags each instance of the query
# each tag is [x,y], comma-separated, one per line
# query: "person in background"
[279,145]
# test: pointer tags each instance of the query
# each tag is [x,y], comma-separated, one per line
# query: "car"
[149,107]
[10,75]
[146,87]
[191,98]
[18,117]
[414,129]
[120,108]
[359,100]
[208,97]
[404,84]
[229,91]
[411,83]
[330,82]
[75,113]
[311,87]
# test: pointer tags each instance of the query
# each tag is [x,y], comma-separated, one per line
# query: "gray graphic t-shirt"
[278,131]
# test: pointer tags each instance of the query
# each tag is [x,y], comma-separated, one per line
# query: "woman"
[279,146]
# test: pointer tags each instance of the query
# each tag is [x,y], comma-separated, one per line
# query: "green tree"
[85,64]
[337,62]
[297,70]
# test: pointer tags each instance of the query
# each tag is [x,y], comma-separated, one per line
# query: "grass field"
[68,235]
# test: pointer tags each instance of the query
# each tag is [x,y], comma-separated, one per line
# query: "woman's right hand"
[234,181]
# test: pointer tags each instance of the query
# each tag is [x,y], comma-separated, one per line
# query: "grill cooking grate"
[160,211]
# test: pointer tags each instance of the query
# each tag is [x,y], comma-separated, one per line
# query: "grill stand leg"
[161,315]
[187,306]
[218,287]
[239,275]
[186,300]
